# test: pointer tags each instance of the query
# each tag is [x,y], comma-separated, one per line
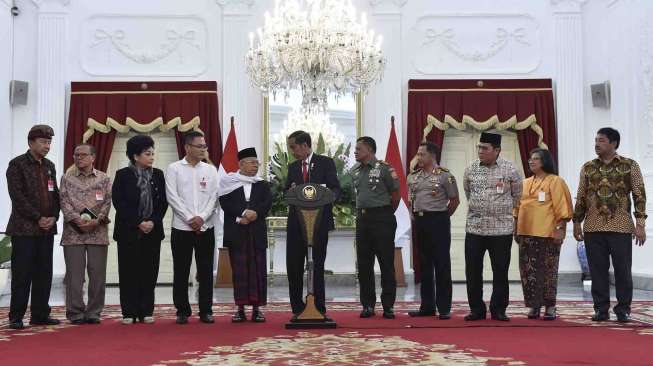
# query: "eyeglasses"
[81,155]
[200,146]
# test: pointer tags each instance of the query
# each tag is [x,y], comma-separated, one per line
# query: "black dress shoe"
[257,317]
[182,319]
[419,313]
[623,318]
[534,313]
[550,313]
[18,324]
[239,317]
[48,321]
[444,316]
[93,321]
[475,316]
[367,312]
[389,313]
[207,318]
[500,317]
[78,321]
[600,316]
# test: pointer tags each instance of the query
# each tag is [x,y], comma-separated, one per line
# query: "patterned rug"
[571,340]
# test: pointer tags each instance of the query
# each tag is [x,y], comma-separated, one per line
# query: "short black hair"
[431,147]
[368,141]
[546,159]
[137,144]
[301,137]
[91,148]
[611,134]
[190,136]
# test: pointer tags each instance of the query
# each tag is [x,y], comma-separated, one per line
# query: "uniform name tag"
[541,196]
[203,184]
[99,196]
[500,187]
[50,185]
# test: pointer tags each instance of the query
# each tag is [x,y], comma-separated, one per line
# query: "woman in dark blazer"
[139,197]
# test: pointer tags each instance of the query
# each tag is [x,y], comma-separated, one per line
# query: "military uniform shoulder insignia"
[444,169]
[383,162]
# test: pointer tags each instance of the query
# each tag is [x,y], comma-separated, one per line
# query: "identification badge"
[50,185]
[99,196]
[500,187]
[541,196]
[203,184]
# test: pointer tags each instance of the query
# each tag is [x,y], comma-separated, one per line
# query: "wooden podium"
[309,200]
[224,278]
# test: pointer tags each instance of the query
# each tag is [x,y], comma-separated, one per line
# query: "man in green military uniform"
[433,199]
[377,197]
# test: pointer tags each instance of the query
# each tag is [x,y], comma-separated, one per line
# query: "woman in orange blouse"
[542,215]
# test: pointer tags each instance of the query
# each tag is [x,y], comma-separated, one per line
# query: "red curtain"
[143,102]
[480,100]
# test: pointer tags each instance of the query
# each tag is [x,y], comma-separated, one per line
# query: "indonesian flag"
[393,157]
[229,164]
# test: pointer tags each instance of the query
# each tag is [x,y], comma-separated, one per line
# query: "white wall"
[614,44]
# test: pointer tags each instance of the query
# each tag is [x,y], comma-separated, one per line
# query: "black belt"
[430,213]
[370,210]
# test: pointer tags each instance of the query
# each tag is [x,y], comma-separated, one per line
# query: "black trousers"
[138,270]
[31,267]
[434,242]
[183,243]
[296,253]
[375,237]
[600,247]
[499,249]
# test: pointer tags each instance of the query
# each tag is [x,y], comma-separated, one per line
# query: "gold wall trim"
[131,124]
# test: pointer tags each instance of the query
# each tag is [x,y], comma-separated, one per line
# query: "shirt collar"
[308,159]
[617,157]
[79,172]
[185,162]
[372,161]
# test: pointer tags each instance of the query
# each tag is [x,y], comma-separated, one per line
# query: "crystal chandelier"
[316,46]
[316,124]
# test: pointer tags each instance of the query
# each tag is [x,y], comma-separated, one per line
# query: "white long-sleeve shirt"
[192,191]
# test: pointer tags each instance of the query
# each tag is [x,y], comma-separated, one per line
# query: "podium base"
[311,324]
[311,318]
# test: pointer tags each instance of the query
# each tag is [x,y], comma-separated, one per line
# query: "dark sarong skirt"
[248,264]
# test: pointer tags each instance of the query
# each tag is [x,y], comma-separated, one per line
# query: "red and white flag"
[229,163]
[393,157]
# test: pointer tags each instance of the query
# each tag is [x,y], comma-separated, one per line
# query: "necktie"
[305,171]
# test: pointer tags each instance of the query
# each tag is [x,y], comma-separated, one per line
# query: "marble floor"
[573,292]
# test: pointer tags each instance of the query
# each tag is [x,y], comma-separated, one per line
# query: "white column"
[384,98]
[569,87]
[239,98]
[51,90]
[51,73]
[569,105]
[6,74]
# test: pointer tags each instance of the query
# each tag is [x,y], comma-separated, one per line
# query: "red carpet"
[571,340]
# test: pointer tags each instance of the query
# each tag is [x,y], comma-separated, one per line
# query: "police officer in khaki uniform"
[433,198]
[377,197]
